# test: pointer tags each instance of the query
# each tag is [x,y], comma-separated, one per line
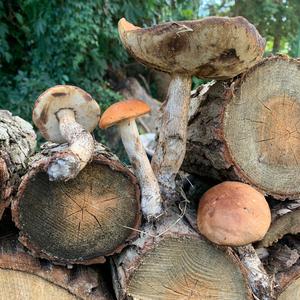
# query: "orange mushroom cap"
[123,110]
[233,214]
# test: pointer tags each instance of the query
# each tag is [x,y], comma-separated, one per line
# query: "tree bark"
[25,277]
[82,220]
[171,261]
[283,249]
[17,143]
[259,281]
[288,223]
[288,284]
[247,129]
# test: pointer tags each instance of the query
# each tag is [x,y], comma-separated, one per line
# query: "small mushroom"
[213,48]
[123,115]
[67,113]
[233,214]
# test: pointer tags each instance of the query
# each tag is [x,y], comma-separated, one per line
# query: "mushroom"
[123,114]
[234,214]
[67,113]
[212,48]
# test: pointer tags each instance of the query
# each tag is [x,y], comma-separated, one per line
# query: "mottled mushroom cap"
[123,110]
[86,109]
[213,47]
[233,214]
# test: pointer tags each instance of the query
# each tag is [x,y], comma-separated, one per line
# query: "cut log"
[288,284]
[171,261]
[25,277]
[258,279]
[288,223]
[248,129]
[81,220]
[283,265]
[282,247]
[17,143]
[291,292]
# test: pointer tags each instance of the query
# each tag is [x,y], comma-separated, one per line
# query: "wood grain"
[82,219]
[248,129]
[187,268]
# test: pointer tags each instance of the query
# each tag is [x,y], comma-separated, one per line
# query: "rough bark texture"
[17,143]
[283,265]
[25,277]
[288,284]
[171,261]
[247,129]
[284,221]
[82,220]
[282,258]
[259,280]
[282,248]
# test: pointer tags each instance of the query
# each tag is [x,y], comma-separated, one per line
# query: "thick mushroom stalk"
[123,114]
[171,146]
[81,146]
[151,200]
[212,48]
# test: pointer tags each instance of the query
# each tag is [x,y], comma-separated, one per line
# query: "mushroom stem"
[151,202]
[171,147]
[81,146]
[257,276]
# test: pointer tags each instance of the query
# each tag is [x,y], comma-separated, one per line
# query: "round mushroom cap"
[213,47]
[123,110]
[233,214]
[86,109]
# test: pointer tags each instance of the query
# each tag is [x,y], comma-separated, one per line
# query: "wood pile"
[79,224]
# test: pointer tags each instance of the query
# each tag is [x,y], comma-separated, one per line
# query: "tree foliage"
[277,20]
[44,43]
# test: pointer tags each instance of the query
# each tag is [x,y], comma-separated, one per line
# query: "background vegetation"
[44,43]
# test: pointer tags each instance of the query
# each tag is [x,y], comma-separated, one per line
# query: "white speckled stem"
[258,278]
[151,200]
[171,146]
[81,146]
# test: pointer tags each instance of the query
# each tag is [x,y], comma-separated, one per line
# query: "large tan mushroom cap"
[234,214]
[214,47]
[123,110]
[86,109]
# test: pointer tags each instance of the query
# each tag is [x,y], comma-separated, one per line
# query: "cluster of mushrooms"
[230,213]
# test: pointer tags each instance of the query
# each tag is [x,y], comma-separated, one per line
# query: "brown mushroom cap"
[213,47]
[234,214]
[86,109]
[123,110]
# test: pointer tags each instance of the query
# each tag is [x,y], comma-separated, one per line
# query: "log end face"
[76,221]
[178,268]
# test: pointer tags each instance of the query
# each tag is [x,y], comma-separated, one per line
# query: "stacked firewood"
[86,226]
